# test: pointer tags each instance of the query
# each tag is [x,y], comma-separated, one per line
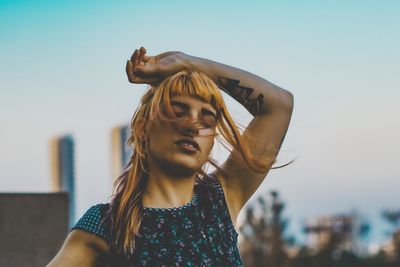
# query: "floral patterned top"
[199,233]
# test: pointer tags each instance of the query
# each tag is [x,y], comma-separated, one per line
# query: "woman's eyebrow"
[186,106]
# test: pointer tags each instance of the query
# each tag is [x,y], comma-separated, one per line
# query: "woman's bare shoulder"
[88,239]
[82,248]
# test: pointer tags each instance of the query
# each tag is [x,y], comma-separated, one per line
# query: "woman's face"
[183,152]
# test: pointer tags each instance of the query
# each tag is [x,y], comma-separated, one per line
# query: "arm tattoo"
[242,94]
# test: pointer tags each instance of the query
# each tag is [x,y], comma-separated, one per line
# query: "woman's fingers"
[129,71]
[138,71]
[135,61]
[133,57]
[145,58]
[140,54]
[136,58]
[141,51]
[138,74]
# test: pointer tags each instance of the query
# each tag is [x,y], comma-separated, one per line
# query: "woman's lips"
[187,146]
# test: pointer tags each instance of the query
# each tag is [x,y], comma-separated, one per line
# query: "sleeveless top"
[199,233]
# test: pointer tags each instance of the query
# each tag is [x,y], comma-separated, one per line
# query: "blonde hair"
[126,206]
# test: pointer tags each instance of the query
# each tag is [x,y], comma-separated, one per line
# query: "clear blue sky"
[62,71]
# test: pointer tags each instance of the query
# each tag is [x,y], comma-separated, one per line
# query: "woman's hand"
[142,68]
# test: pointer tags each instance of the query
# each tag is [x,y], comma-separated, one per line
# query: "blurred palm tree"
[393,217]
[264,242]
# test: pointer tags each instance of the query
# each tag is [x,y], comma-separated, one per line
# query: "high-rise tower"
[63,170]
[120,152]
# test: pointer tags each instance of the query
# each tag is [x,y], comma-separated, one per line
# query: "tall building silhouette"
[63,170]
[120,152]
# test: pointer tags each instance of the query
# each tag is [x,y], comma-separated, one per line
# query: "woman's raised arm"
[270,105]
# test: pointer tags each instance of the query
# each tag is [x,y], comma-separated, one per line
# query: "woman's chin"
[185,163]
[179,163]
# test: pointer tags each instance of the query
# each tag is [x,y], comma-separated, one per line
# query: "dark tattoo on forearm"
[242,94]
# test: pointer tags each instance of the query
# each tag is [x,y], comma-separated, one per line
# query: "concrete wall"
[32,228]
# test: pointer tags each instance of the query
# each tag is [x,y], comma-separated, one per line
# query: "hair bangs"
[193,84]
[196,85]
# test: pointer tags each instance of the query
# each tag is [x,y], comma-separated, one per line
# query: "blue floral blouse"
[199,233]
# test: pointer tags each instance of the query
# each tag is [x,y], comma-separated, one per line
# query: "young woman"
[167,210]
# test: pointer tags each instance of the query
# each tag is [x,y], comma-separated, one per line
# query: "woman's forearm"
[256,94]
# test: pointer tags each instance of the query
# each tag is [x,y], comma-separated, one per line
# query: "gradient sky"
[62,71]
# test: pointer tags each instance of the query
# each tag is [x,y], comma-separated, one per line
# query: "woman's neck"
[163,191]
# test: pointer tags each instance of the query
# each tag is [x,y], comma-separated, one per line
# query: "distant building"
[63,170]
[120,152]
[344,230]
[33,226]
